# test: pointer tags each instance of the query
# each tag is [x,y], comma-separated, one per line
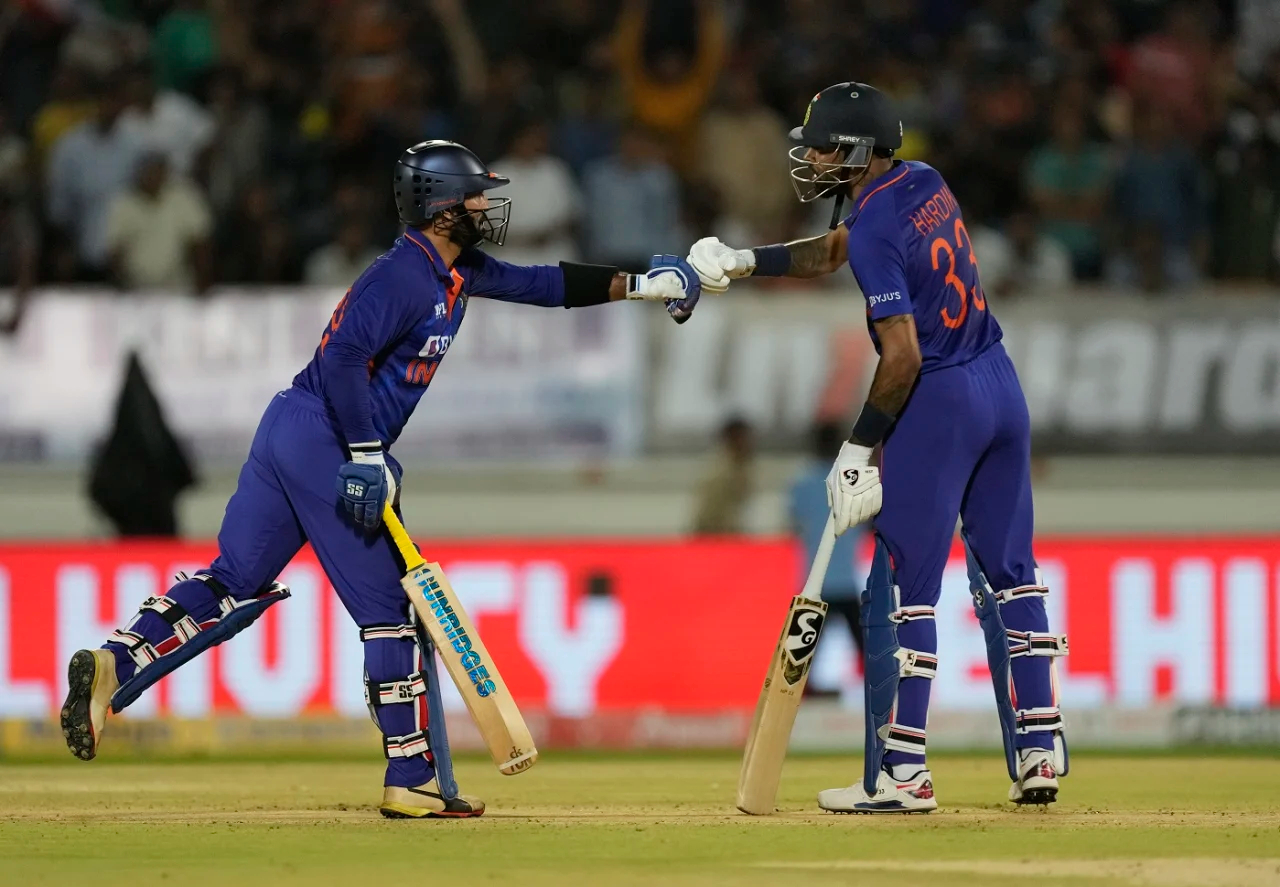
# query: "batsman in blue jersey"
[947,412]
[320,471]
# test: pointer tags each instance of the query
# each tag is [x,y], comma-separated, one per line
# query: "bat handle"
[818,571]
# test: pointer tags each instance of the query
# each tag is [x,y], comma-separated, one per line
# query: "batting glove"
[366,484]
[853,487]
[671,279]
[717,264]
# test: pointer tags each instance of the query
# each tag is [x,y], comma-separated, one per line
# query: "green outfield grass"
[669,820]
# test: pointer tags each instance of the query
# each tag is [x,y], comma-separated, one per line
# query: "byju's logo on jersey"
[883,298]
[436,346]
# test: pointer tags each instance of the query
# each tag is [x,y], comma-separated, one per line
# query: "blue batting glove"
[363,490]
[679,309]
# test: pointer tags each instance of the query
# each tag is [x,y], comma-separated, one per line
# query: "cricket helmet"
[436,176]
[852,118]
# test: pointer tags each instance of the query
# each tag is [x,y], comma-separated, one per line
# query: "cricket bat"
[468,662]
[783,686]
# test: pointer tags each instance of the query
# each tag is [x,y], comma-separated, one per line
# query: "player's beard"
[465,230]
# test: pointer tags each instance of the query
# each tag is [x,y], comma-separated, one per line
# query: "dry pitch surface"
[583,821]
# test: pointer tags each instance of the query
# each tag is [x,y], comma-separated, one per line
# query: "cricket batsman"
[320,471]
[948,414]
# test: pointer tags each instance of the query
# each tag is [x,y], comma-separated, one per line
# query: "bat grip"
[818,571]
[400,538]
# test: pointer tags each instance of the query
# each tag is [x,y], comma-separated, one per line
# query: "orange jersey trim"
[899,177]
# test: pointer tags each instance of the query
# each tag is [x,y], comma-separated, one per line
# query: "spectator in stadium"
[1247,189]
[669,56]
[1021,260]
[741,141]
[722,496]
[14,168]
[88,167]
[70,103]
[184,46]
[255,242]
[1068,180]
[158,231]
[19,258]
[237,151]
[632,203]
[809,512]
[339,263]
[1159,206]
[542,185]
[168,121]
[1172,69]
[584,131]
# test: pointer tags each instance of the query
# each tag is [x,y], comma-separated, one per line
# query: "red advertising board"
[585,627]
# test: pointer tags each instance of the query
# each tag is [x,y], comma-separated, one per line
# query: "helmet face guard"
[471,227]
[814,180]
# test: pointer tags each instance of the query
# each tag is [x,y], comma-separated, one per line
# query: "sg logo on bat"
[802,638]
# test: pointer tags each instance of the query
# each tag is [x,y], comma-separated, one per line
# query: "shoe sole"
[77,725]
[1038,796]
[395,811]
[900,810]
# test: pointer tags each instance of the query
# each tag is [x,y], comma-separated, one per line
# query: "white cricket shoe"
[913,795]
[426,802]
[1037,778]
[91,679]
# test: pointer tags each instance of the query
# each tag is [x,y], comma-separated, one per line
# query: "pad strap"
[904,739]
[915,664]
[139,648]
[184,627]
[392,692]
[1036,643]
[911,613]
[406,746]
[387,633]
[1040,720]
[1022,591]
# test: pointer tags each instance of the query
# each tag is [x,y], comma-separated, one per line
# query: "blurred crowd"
[184,143]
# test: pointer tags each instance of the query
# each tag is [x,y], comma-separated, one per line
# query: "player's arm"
[876,257]
[364,326]
[717,263]
[577,285]
[895,376]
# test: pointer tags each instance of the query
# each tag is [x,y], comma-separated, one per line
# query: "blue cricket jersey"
[389,333]
[911,254]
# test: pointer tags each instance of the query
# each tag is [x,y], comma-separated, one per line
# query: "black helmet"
[851,117]
[432,177]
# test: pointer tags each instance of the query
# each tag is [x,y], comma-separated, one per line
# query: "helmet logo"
[854,94]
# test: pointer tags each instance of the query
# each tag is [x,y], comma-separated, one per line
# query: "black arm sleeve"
[586,284]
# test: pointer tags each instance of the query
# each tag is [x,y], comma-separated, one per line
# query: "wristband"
[772,261]
[871,427]
[586,284]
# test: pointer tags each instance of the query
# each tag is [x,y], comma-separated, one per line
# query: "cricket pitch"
[631,820]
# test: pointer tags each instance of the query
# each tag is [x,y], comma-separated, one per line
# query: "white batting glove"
[669,279]
[853,487]
[717,264]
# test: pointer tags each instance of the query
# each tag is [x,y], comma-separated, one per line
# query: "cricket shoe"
[1037,778]
[913,795]
[426,802]
[91,679]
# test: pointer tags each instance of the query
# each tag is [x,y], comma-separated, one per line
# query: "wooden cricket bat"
[468,662]
[783,686]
